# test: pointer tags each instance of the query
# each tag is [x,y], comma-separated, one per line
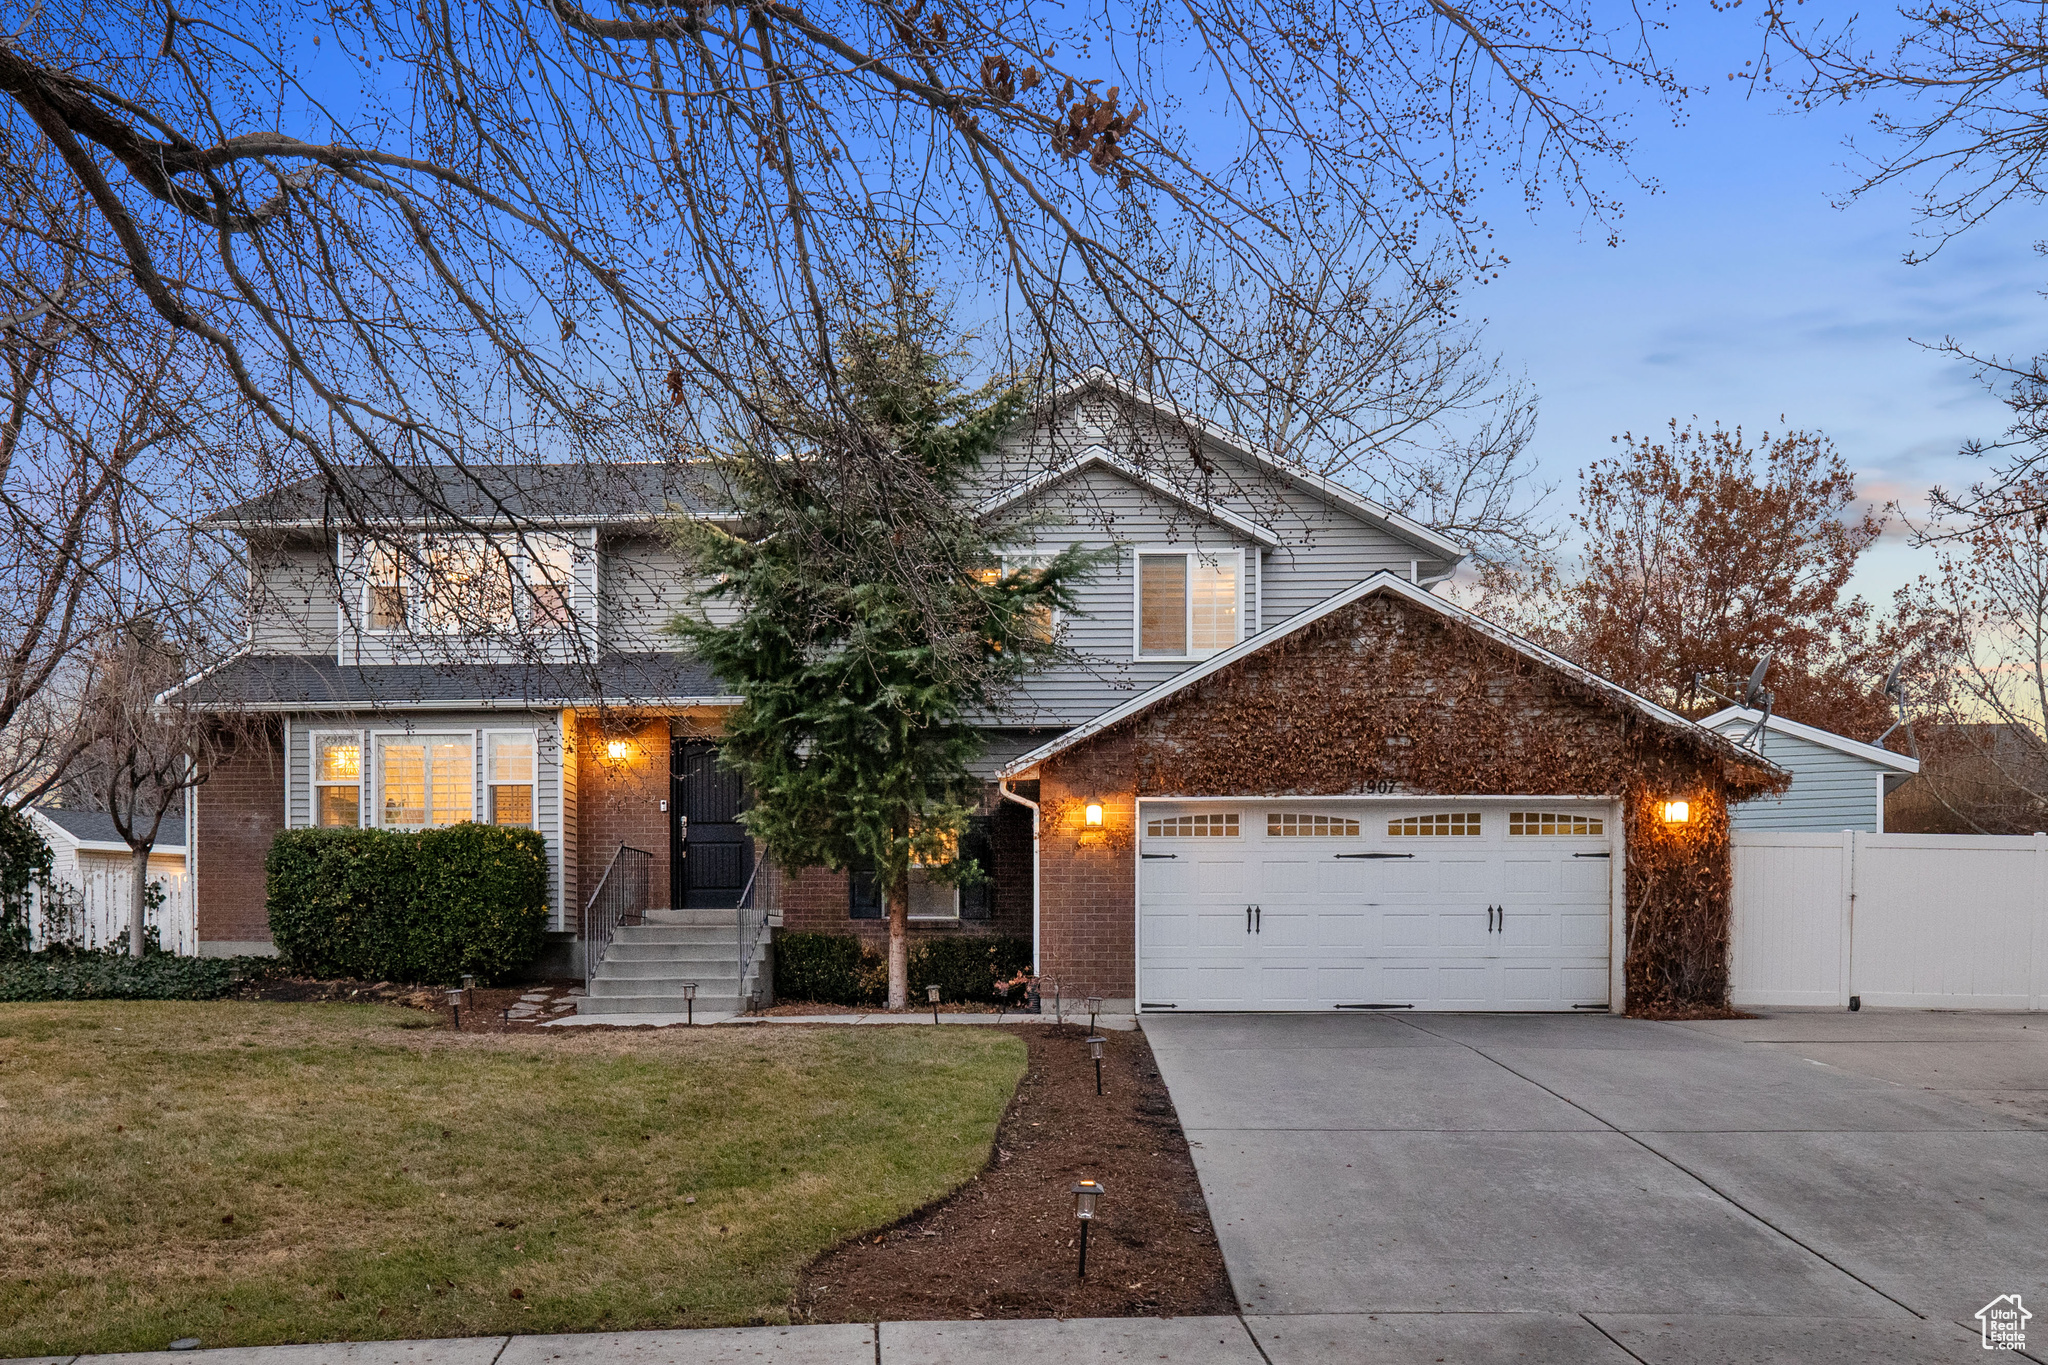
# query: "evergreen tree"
[862,612]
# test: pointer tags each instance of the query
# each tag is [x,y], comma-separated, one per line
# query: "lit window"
[468,584]
[337,781]
[384,593]
[1187,604]
[1193,826]
[1550,822]
[1458,823]
[511,779]
[1290,825]
[426,781]
[550,579]
[1044,620]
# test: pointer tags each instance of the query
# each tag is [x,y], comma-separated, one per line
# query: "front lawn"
[249,1173]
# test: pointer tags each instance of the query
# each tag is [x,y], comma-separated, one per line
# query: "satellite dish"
[1754,695]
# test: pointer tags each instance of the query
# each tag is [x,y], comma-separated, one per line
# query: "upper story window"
[468,584]
[1045,621]
[1187,603]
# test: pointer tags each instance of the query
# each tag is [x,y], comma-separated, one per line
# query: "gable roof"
[247,682]
[94,830]
[1098,457]
[1404,528]
[1729,717]
[576,493]
[1384,582]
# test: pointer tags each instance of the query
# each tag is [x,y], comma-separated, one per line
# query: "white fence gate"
[93,911]
[1927,921]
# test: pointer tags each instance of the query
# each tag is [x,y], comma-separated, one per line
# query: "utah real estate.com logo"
[2005,1323]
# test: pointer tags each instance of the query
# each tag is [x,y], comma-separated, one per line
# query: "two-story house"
[515,670]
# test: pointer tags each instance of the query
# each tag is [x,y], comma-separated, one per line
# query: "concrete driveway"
[1809,1187]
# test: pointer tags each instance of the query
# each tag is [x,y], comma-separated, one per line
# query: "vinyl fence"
[92,911]
[1928,921]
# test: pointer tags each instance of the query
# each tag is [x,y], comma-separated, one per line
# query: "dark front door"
[708,849]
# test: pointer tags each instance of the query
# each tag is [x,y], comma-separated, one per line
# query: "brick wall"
[1385,690]
[240,810]
[619,799]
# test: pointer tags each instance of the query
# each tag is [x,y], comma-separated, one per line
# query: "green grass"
[390,1181]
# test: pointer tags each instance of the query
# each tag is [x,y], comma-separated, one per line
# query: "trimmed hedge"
[432,906]
[843,969]
[113,975]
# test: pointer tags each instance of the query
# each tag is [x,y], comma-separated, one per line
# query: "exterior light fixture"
[468,989]
[1095,1050]
[689,1002]
[619,750]
[1677,812]
[931,993]
[1092,815]
[455,1006]
[1086,1192]
[1094,1008]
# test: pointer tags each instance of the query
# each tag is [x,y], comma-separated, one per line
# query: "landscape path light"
[1094,1008]
[468,989]
[1086,1192]
[455,1005]
[689,1002]
[1095,1050]
[931,993]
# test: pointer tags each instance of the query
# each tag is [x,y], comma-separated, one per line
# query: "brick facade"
[1385,690]
[619,799]
[240,809]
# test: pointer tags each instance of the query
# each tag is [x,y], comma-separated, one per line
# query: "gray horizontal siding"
[1831,791]
[646,584]
[294,595]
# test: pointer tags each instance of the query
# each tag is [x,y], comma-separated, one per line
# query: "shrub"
[24,861]
[110,974]
[431,906]
[842,969]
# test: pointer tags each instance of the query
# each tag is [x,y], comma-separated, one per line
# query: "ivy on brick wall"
[1384,692]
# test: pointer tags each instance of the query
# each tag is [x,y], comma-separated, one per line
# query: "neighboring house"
[570,714]
[91,871]
[1838,783]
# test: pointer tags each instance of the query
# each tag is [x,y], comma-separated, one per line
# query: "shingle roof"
[97,827]
[484,494]
[256,682]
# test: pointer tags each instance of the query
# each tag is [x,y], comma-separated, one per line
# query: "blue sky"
[1740,293]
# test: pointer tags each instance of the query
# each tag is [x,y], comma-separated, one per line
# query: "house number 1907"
[1383,786]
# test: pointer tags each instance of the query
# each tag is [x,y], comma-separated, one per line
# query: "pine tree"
[861,610]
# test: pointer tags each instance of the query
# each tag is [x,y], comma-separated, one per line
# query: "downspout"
[1003,786]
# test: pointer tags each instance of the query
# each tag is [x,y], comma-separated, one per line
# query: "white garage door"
[1333,904]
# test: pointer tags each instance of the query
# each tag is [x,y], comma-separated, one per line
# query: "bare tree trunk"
[138,896]
[899,945]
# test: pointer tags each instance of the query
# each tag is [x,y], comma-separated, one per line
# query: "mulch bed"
[1004,1245]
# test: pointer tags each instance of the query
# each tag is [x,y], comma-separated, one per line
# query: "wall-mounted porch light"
[1677,812]
[1093,814]
[619,750]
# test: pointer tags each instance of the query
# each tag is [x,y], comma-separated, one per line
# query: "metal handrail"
[619,899]
[749,924]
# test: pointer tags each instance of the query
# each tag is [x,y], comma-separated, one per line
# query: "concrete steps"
[646,965]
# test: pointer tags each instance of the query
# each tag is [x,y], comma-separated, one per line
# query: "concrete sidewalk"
[1099,1341]
[1123,1023]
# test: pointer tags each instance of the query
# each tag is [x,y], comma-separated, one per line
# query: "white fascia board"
[1096,455]
[490,522]
[1385,581]
[1329,490]
[356,708]
[1728,717]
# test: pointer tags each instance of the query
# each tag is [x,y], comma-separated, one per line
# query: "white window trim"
[942,918]
[314,782]
[1034,559]
[365,560]
[1138,552]
[511,549]
[426,736]
[486,760]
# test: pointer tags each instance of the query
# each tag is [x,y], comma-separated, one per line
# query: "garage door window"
[1193,826]
[1291,825]
[1552,823]
[1463,823]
